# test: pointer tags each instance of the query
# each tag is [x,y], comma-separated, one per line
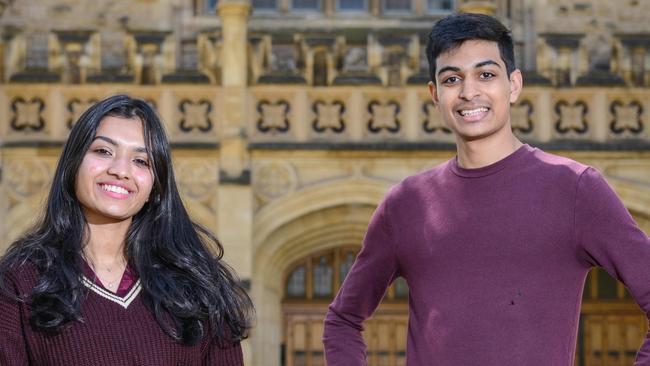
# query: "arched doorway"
[310,285]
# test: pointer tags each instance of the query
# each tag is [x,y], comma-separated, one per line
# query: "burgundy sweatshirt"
[116,330]
[495,259]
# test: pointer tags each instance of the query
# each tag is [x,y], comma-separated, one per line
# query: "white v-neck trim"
[122,301]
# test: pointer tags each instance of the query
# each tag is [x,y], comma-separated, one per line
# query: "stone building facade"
[290,119]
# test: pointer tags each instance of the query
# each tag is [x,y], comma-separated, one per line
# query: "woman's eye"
[142,162]
[102,151]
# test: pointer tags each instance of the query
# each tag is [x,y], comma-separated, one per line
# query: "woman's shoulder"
[19,277]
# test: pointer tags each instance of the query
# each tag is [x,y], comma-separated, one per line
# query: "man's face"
[473,91]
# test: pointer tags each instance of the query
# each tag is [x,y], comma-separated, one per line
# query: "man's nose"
[469,90]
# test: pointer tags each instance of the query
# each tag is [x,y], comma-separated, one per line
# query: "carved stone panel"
[626,119]
[195,115]
[76,107]
[27,115]
[521,117]
[273,180]
[432,123]
[571,119]
[198,182]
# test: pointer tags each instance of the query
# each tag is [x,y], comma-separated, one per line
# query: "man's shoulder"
[544,163]
[423,180]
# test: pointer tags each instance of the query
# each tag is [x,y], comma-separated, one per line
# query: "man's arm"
[608,237]
[365,285]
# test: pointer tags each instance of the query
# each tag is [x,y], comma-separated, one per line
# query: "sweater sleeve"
[13,347]
[609,238]
[373,271]
[218,354]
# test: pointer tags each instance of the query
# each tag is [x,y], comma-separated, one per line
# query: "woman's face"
[115,178]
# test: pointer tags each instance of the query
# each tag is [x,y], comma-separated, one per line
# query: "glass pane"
[397,5]
[401,288]
[210,6]
[37,52]
[300,358]
[283,58]
[189,56]
[296,283]
[606,285]
[440,4]
[322,278]
[305,5]
[346,264]
[264,4]
[351,5]
[355,59]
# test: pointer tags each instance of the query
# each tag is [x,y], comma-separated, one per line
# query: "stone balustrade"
[333,117]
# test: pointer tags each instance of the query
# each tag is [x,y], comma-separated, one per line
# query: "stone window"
[37,52]
[265,5]
[351,5]
[440,5]
[305,5]
[397,5]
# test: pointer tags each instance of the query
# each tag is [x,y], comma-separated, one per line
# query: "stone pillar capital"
[234,8]
[487,7]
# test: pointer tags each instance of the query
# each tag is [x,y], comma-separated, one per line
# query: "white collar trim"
[122,301]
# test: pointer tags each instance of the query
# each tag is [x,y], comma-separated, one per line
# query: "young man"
[495,244]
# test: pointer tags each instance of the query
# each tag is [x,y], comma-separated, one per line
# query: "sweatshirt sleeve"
[608,237]
[13,347]
[373,271]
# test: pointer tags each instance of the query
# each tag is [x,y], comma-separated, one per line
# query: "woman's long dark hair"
[185,285]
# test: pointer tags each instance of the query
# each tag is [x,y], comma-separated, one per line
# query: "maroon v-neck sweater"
[117,330]
[495,259]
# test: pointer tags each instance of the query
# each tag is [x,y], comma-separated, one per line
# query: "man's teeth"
[471,112]
[116,189]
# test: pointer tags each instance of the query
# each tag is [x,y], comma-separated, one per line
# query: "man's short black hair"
[451,31]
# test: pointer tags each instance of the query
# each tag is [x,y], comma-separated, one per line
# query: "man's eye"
[486,75]
[451,80]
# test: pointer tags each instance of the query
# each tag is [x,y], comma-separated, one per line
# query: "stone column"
[234,16]
[234,196]
[488,7]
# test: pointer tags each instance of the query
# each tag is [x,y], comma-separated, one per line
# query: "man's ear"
[516,84]
[434,93]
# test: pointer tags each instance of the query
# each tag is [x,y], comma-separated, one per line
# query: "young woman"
[116,273]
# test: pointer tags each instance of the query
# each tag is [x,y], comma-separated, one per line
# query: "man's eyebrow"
[114,143]
[448,68]
[486,63]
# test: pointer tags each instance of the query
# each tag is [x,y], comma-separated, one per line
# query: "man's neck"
[483,152]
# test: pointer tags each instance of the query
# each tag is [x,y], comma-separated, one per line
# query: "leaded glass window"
[322,278]
[296,283]
[37,52]
[210,6]
[346,264]
[265,5]
[401,288]
[305,5]
[351,5]
[397,5]
[440,5]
